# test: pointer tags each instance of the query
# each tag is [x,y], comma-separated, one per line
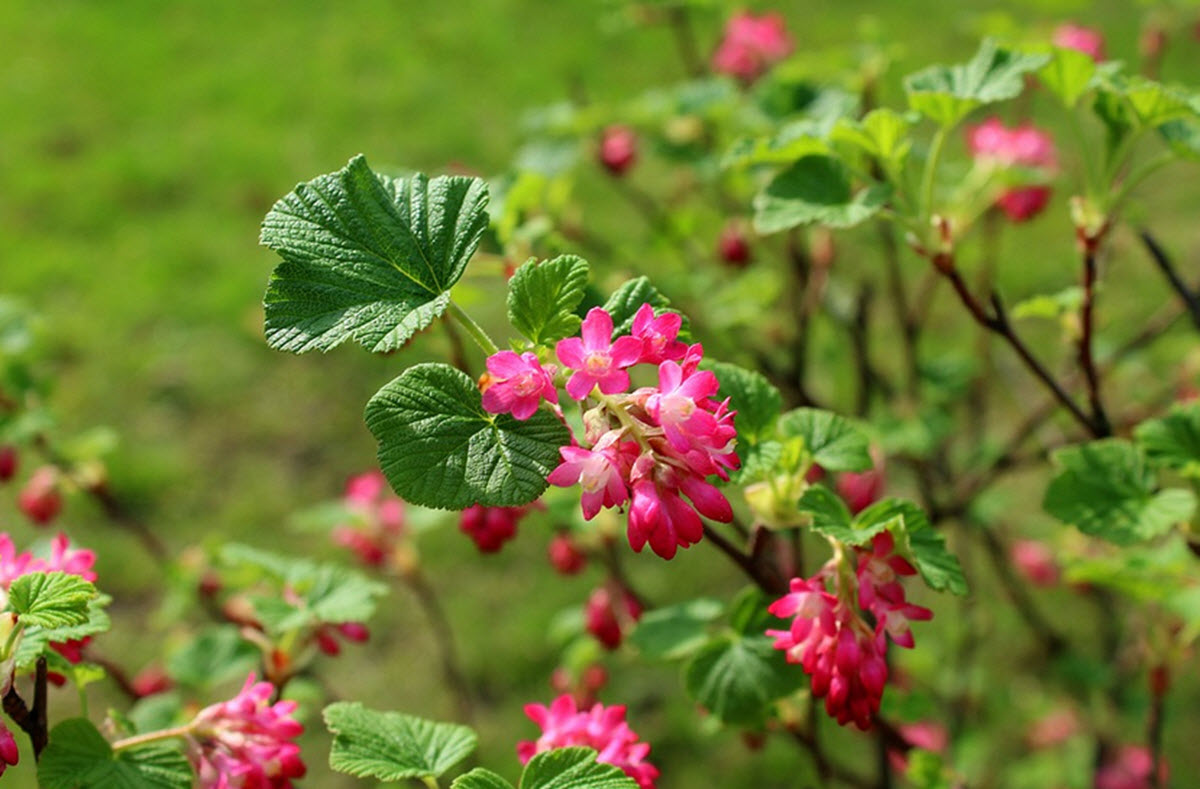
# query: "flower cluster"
[490,527]
[378,518]
[602,728]
[751,45]
[62,558]
[246,741]
[844,655]
[994,144]
[652,446]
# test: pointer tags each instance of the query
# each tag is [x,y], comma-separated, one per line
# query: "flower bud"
[565,555]
[40,499]
[8,463]
[733,246]
[618,149]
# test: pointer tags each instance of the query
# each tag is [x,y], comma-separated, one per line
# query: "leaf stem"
[152,736]
[474,329]
[935,153]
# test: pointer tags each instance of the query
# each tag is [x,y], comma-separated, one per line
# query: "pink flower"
[601,728]
[1131,768]
[658,335]
[618,149]
[63,558]
[9,754]
[678,405]
[1087,40]
[565,555]
[1035,561]
[41,500]
[490,527]
[1023,146]
[516,384]
[751,45]
[596,359]
[597,470]
[246,741]
[378,522]
[603,619]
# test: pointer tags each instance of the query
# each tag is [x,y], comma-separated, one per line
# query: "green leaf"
[573,768]
[793,141]
[214,656]
[480,778]
[675,631]
[78,757]
[831,517]
[882,133]
[816,189]
[1183,136]
[756,401]
[439,448]
[833,441]
[35,641]
[1050,305]
[626,300]
[748,614]
[1104,489]
[947,93]
[1068,74]
[51,600]
[367,257]
[391,746]
[737,679]
[542,298]
[1174,440]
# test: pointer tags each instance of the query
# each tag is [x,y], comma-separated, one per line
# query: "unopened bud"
[8,462]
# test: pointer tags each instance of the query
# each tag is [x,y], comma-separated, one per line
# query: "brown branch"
[767,578]
[685,40]
[1049,638]
[1087,363]
[826,770]
[31,720]
[1185,293]
[1159,680]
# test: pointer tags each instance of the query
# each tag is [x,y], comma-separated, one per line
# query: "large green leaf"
[573,768]
[756,401]
[542,298]
[439,448]
[737,679]
[51,600]
[1174,440]
[78,757]
[816,189]
[367,257]
[834,441]
[947,93]
[1104,489]
[216,655]
[391,746]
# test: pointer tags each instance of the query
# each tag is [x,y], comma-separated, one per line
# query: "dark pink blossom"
[9,753]
[517,384]
[597,470]
[247,741]
[596,359]
[490,527]
[659,335]
[733,247]
[751,45]
[601,728]
[565,554]
[41,498]
[1024,146]
[1087,40]
[618,149]
[607,615]
[8,469]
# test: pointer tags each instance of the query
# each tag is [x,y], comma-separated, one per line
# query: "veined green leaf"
[391,746]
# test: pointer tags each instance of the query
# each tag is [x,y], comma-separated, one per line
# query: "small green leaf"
[78,757]
[367,257]
[748,614]
[573,768]
[51,600]
[542,298]
[793,141]
[1068,74]
[1051,305]
[480,778]
[675,631]
[439,448]
[1104,489]
[391,746]
[626,300]
[947,93]
[756,401]
[1174,440]
[833,441]
[831,517]
[882,133]
[816,189]
[737,679]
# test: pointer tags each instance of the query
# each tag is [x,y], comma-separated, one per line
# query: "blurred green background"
[140,145]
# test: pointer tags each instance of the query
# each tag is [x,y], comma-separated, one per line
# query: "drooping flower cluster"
[246,741]
[1082,39]
[490,527]
[378,518]
[751,45]
[994,144]
[607,615]
[601,728]
[655,445]
[829,637]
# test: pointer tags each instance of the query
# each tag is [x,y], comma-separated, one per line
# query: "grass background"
[140,145]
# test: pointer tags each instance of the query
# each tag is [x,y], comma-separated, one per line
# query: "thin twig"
[1087,363]
[1160,257]
[685,40]
[766,579]
[826,770]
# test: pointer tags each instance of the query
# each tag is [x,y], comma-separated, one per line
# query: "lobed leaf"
[542,298]
[78,757]
[573,768]
[947,93]
[367,257]
[675,631]
[737,679]
[626,300]
[815,189]
[51,600]
[756,401]
[439,448]
[480,778]
[833,441]
[391,746]
[1174,440]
